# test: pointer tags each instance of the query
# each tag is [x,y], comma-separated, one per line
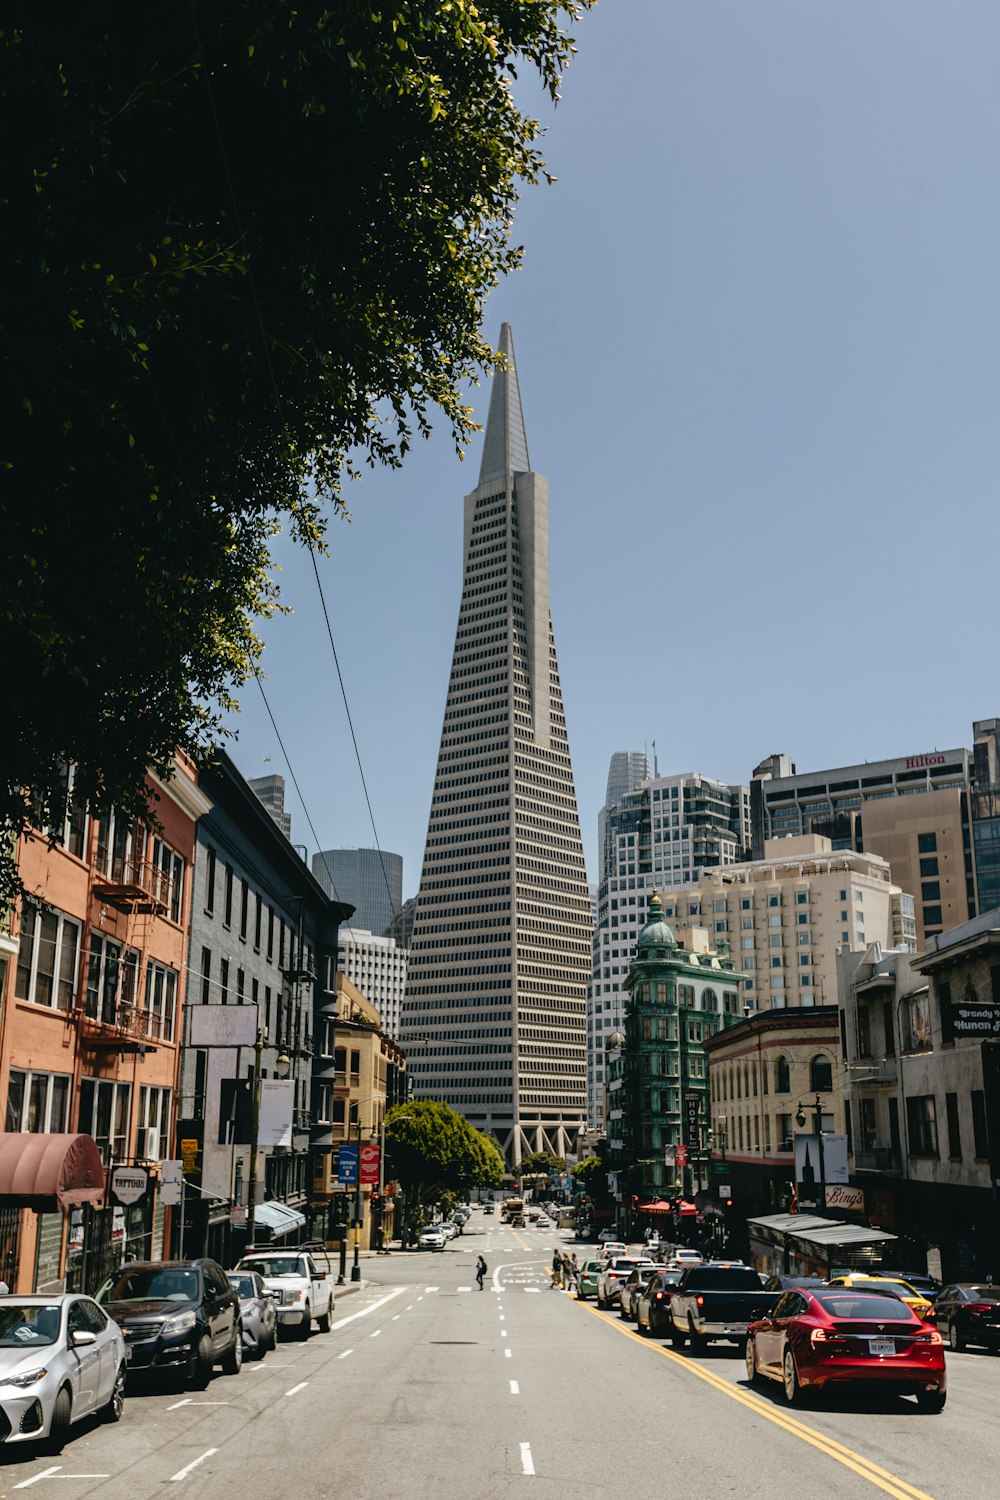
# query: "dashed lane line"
[527,1462]
[183,1473]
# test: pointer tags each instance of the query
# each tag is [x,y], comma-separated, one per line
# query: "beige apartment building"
[786,916]
[924,837]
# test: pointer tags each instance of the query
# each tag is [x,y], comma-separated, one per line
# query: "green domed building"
[657,1090]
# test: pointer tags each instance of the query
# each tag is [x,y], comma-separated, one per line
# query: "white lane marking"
[431,1289]
[506,1354]
[190,1401]
[345,1354]
[515,1389]
[408,1307]
[375,1334]
[296,1388]
[463,1289]
[372,1307]
[45,1474]
[395,1317]
[527,1462]
[503,1333]
[502,1318]
[532,1289]
[183,1473]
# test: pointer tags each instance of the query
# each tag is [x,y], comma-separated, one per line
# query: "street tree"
[245,249]
[432,1149]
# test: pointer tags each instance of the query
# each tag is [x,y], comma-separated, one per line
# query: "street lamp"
[800,1120]
[282,1066]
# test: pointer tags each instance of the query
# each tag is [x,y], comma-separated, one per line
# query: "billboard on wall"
[807,1162]
[277,1105]
[223,1025]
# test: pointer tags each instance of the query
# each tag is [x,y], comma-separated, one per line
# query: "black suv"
[180,1315]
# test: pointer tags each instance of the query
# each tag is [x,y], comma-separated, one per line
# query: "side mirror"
[82,1336]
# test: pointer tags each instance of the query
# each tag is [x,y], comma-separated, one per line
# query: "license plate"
[128,1353]
[880,1348]
[736,1328]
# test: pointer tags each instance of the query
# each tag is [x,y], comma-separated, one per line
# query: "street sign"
[189,1155]
[347,1165]
[692,1119]
[369,1162]
[681,1155]
[724,1189]
[129,1184]
[171,1171]
[238,1216]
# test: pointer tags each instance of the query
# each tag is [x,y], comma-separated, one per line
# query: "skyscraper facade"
[271,791]
[370,880]
[495,1006]
[655,832]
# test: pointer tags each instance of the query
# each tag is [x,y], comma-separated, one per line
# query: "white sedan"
[432,1239]
[61,1359]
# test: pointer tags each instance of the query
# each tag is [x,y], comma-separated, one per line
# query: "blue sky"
[758,345]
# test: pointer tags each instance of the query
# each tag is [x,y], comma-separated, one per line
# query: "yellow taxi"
[908,1294]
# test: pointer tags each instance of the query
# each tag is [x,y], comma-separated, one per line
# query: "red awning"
[49,1172]
[687,1210]
[658,1206]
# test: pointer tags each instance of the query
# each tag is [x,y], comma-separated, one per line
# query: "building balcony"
[121,1027]
[874,1071]
[879,1159]
[133,885]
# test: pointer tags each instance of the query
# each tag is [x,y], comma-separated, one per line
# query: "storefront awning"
[658,1206]
[279,1218]
[49,1172]
[839,1235]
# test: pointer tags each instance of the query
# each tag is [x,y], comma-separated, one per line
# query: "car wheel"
[115,1405]
[931,1401]
[305,1327]
[232,1360]
[753,1374]
[323,1322]
[201,1364]
[677,1336]
[622,1313]
[790,1380]
[62,1415]
[955,1340]
[269,1339]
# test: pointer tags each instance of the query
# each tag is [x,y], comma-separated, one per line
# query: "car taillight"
[930,1337]
[659,1296]
[981,1307]
[821,1336]
[701,1301]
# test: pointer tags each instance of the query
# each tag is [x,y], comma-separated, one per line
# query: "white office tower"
[495,1010]
[377,966]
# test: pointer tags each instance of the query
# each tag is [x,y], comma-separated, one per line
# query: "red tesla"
[819,1336]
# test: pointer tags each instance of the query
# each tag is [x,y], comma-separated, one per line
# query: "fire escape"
[112,1018]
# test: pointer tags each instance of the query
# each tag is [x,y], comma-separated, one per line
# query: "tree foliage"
[432,1149]
[591,1177]
[244,245]
[541,1164]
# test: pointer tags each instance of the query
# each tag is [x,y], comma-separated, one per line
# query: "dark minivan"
[180,1315]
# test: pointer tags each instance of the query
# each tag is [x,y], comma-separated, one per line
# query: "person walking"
[557,1267]
[574,1271]
[567,1271]
[481,1269]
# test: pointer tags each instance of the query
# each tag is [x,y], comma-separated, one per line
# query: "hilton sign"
[917,762]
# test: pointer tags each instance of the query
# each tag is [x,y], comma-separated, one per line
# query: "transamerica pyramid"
[494,1017]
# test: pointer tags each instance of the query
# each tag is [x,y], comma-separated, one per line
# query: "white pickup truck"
[302,1289]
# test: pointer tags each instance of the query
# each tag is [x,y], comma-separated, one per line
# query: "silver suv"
[618,1269]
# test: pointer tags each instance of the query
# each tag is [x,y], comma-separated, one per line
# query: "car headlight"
[179,1324]
[23,1381]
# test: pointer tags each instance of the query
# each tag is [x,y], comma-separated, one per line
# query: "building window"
[228,914]
[168,878]
[801,898]
[244,909]
[774,900]
[257,922]
[112,981]
[932,916]
[153,1137]
[921,1125]
[224,981]
[104,1112]
[785,1141]
[929,867]
[782,1078]
[931,890]
[980,1133]
[48,952]
[821,1075]
[37,1102]
[118,849]
[954,1127]
[926,843]
[161,999]
[206,976]
[210,881]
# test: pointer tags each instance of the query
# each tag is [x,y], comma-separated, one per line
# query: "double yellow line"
[882,1478]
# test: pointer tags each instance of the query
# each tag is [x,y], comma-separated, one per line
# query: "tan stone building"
[786,916]
[924,837]
[370,1078]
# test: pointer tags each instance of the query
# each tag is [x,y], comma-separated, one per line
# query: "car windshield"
[243,1284]
[26,1325]
[153,1284]
[593,1267]
[276,1265]
[867,1305]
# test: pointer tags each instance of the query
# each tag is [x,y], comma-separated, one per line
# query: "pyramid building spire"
[505,448]
[499,961]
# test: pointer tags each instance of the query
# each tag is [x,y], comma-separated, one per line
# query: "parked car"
[448,1229]
[819,1336]
[653,1303]
[913,1299]
[586,1281]
[61,1358]
[616,1271]
[716,1302]
[969,1313]
[432,1238]
[608,1237]
[258,1313]
[632,1287]
[302,1289]
[921,1281]
[179,1315]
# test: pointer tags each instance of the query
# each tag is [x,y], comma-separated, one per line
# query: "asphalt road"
[427,1386]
